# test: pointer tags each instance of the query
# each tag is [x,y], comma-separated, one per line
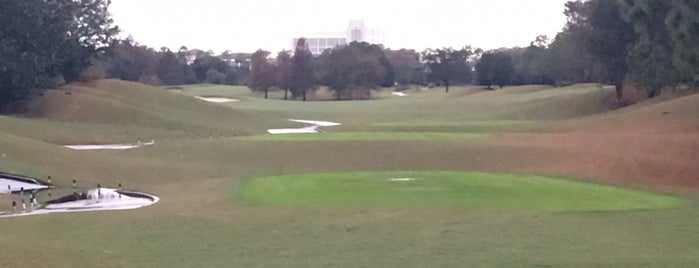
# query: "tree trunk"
[619,86]
[447,85]
[286,93]
[266,95]
[304,95]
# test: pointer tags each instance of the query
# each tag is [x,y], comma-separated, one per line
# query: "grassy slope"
[198,222]
[115,111]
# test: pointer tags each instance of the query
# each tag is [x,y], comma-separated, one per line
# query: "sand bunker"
[402,179]
[305,130]
[8,186]
[316,123]
[399,94]
[123,146]
[217,99]
[93,200]
[312,127]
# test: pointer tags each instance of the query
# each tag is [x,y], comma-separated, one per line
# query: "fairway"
[445,189]
[339,136]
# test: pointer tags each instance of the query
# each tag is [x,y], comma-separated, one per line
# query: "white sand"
[109,200]
[217,99]
[402,179]
[399,94]
[17,185]
[316,123]
[123,146]
[305,130]
[312,127]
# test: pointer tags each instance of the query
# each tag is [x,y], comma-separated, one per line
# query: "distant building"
[356,32]
[320,43]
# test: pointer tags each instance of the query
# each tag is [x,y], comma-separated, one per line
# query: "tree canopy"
[262,72]
[45,41]
[303,76]
[448,66]
[495,68]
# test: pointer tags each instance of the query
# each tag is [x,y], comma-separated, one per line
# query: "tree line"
[130,61]
[653,44]
[649,43]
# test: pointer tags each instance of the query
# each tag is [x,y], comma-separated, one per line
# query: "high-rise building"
[356,32]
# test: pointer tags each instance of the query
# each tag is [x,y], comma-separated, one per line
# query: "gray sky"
[247,25]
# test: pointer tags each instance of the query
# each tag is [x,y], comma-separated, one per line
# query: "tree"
[170,69]
[283,72]
[448,65]
[495,68]
[530,63]
[605,35]
[337,69]
[132,62]
[303,77]
[214,77]
[206,62]
[461,61]
[683,26]
[41,39]
[262,75]
[568,61]
[651,56]
[404,63]
[437,62]
[359,66]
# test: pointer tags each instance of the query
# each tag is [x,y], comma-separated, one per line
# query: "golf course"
[523,176]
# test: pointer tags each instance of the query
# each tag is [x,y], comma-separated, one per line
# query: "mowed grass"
[473,190]
[367,136]
[461,104]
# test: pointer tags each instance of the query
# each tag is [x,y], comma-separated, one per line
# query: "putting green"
[445,189]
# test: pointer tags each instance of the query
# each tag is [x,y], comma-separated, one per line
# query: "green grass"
[473,190]
[469,126]
[367,136]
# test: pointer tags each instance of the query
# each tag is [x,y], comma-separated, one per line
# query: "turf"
[445,189]
[205,153]
[338,136]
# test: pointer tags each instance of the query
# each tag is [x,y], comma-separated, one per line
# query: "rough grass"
[473,190]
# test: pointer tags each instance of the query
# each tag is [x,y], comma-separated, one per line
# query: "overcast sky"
[247,25]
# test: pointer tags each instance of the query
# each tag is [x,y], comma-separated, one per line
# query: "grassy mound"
[445,189]
[117,111]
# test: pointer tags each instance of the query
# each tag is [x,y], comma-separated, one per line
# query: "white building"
[356,31]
